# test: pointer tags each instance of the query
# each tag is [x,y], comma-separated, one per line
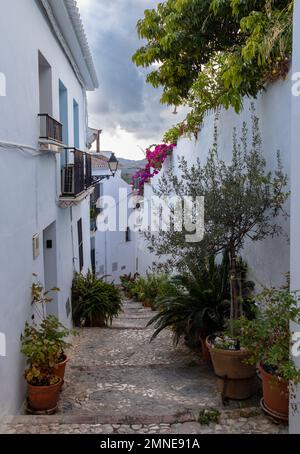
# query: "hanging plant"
[156,156]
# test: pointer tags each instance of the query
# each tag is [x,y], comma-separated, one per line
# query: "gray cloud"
[124,99]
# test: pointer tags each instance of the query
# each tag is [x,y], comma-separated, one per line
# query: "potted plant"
[194,306]
[95,302]
[56,333]
[242,200]
[127,282]
[42,356]
[53,330]
[268,340]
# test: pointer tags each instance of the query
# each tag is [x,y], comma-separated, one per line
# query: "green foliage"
[93,299]
[198,307]
[241,201]
[208,415]
[212,54]
[268,337]
[43,343]
[151,287]
[128,281]
[146,288]
[43,346]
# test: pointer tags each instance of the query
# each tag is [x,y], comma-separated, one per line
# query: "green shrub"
[149,288]
[268,338]
[95,302]
[195,306]
[128,281]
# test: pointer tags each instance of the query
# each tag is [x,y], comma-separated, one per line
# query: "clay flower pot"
[60,368]
[235,379]
[205,351]
[275,393]
[42,398]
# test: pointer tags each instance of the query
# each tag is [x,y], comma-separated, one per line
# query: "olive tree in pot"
[241,201]
[268,341]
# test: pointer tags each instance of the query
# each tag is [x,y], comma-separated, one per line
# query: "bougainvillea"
[156,156]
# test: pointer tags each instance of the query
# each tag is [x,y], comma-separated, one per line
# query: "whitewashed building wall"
[268,260]
[30,184]
[114,255]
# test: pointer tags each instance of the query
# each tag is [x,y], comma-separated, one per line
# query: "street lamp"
[113,164]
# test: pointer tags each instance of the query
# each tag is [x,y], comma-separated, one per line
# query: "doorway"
[50,266]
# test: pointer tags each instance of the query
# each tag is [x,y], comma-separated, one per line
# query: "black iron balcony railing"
[77,176]
[50,129]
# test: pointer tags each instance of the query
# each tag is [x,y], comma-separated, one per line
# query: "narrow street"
[118,382]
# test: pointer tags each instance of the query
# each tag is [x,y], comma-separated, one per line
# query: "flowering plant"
[156,156]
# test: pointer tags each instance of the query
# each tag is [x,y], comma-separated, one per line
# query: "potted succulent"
[42,356]
[268,340]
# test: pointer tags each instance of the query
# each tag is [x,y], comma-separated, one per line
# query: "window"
[80,243]
[128,235]
[63,118]
[76,123]
[45,85]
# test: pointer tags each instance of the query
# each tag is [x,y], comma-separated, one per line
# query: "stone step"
[146,419]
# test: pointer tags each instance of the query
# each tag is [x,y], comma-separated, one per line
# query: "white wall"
[29,185]
[111,246]
[295,197]
[269,260]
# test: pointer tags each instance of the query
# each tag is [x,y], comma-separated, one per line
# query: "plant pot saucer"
[276,417]
[30,411]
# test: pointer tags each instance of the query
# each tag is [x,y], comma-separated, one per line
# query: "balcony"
[76,178]
[50,133]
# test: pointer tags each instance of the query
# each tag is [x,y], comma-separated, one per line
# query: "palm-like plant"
[198,307]
[94,301]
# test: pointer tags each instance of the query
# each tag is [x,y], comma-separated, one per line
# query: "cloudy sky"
[125,107]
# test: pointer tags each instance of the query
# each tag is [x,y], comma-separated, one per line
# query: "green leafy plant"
[151,287]
[199,306]
[212,54]
[43,346]
[128,281]
[43,342]
[268,338]
[208,415]
[94,299]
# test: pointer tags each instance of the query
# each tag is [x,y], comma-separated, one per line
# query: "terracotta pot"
[41,398]
[235,379]
[60,368]
[147,303]
[205,351]
[98,322]
[275,392]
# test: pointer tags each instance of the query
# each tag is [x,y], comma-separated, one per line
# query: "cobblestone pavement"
[117,382]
